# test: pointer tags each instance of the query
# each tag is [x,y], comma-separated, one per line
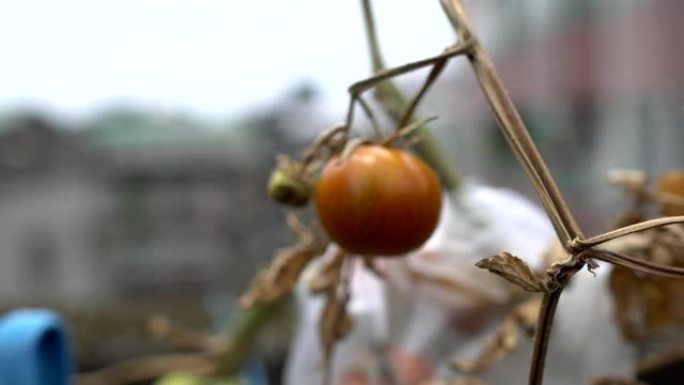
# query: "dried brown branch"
[621,232]
[407,133]
[312,153]
[621,259]
[371,117]
[525,150]
[393,103]
[547,314]
[410,109]
[512,126]
[365,84]
[279,279]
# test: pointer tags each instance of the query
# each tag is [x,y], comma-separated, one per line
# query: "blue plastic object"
[34,349]
[254,373]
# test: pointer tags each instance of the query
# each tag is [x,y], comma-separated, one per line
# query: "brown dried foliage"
[647,304]
[515,271]
[281,276]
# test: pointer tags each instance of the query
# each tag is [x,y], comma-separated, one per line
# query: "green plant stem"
[394,103]
[230,361]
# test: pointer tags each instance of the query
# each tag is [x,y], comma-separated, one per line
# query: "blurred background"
[136,136]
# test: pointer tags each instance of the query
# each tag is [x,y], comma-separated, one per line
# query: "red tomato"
[378,201]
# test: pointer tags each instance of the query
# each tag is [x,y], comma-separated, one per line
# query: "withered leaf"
[514,270]
[334,324]
[328,275]
[281,276]
[648,304]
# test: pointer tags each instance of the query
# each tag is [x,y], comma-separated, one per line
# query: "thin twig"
[365,84]
[513,127]
[393,101]
[621,232]
[558,277]
[543,335]
[349,120]
[313,150]
[526,151]
[432,76]
[637,264]
[371,116]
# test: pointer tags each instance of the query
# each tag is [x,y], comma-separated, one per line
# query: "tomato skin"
[378,201]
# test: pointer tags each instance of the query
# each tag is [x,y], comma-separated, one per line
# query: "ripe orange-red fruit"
[378,201]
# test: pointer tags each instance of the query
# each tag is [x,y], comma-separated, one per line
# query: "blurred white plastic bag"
[452,300]
[423,302]
[476,223]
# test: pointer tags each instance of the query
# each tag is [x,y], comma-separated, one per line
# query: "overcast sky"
[210,57]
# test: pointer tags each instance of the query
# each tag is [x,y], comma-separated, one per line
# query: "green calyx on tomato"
[289,184]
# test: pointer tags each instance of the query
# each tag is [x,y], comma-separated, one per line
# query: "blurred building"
[139,204]
[50,188]
[600,85]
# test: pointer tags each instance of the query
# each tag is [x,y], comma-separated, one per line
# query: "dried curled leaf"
[505,338]
[281,276]
[514,270]
[670,192]
[646,304]
[328,275]
[334,322]
[406,133]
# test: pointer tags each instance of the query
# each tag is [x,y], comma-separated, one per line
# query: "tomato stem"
[394,103]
